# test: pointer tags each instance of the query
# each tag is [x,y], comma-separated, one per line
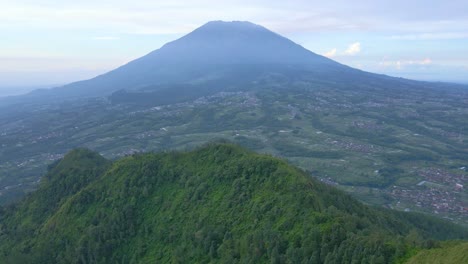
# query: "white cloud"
[426,61]
[400,64]
[144,19]
[163,17]
[432,36]
[331,53]
[353,49]
[106,38]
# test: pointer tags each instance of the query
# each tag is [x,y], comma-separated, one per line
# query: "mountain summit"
[213,50]
[235,42]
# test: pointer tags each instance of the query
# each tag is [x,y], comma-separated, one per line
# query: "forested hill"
[217,204]
[447,253]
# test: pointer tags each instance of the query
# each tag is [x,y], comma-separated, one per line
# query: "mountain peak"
[230,25]
[225,29]
[235,42]
[213,49]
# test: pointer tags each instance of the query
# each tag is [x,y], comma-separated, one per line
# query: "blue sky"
[54,42]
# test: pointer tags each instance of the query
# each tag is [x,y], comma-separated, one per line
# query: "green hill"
[217,204]
[452,253]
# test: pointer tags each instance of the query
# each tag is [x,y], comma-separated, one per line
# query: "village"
[320,119]
[433,199]
[441,191]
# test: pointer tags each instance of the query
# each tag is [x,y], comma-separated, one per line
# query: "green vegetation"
[217,204]
[391,142]
[448,253]
[375,143]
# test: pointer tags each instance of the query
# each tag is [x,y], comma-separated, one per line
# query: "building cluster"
[367,125]
[436,175]
[329,181]
[434,199]
[441,192]
[353,146]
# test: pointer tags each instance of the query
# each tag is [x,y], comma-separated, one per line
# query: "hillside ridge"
[218,203]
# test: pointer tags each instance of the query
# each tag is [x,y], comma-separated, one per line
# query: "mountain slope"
[65,178]
[216,50]
[451,253]
[219,203]
[220,56]
[219,43]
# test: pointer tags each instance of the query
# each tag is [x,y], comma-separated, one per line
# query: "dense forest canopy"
[217,204]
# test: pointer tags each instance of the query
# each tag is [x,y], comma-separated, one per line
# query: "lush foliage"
[372,135]
[219,203]
[366,140]
[447,253]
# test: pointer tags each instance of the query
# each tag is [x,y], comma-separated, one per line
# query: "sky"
[53,42]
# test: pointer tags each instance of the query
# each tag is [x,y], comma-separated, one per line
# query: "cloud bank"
[353,49]
[331,53]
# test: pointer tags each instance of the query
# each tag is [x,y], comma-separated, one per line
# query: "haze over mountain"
[220,54]
[215,51]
